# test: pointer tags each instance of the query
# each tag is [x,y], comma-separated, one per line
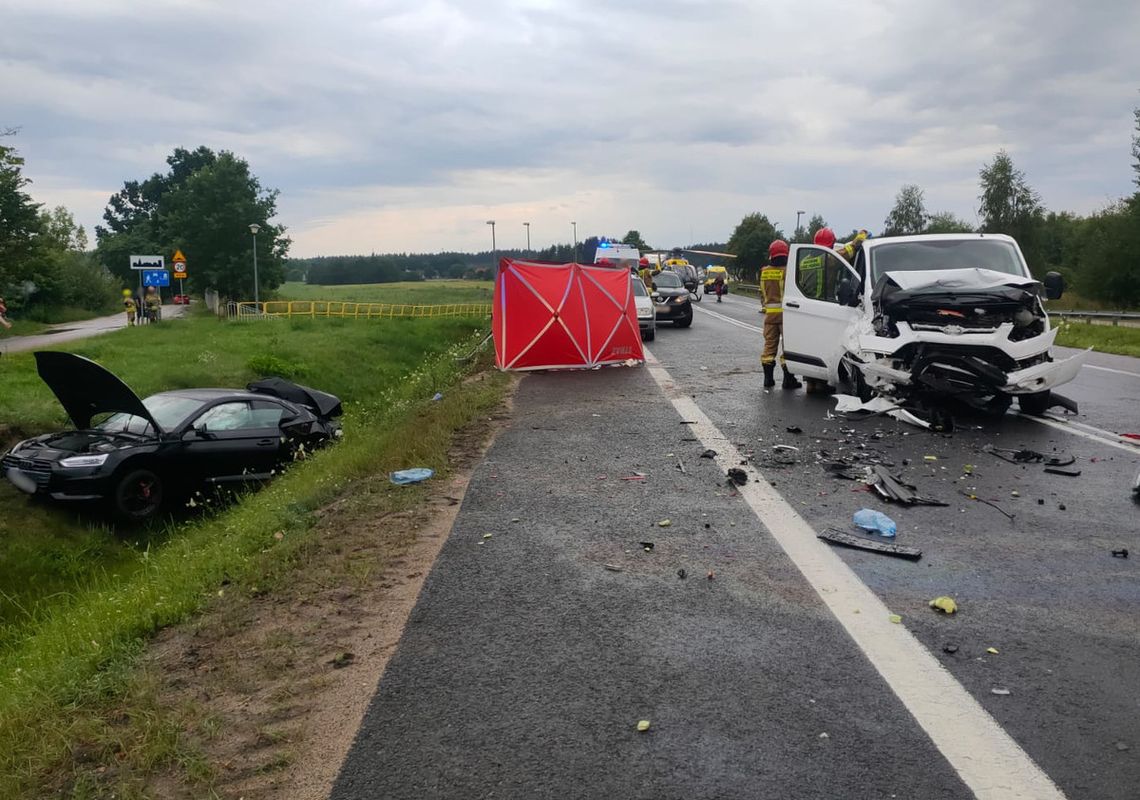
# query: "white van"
[617,254]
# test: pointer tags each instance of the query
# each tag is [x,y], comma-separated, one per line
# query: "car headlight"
[83,461]
[680,299]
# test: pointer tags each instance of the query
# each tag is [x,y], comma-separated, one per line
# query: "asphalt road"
[72,331]
[527,664]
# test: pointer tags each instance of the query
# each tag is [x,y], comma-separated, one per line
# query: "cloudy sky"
[403,125]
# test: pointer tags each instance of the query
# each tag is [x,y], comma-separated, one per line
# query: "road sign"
[179,262]
[148,262]
[156,277]
[178,257]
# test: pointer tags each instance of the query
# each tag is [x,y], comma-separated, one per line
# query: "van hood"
[85,389]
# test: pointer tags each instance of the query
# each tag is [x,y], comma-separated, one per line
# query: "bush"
[269,364]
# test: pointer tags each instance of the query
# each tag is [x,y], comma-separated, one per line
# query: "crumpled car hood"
[955,280]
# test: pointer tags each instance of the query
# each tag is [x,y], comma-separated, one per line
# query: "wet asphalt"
[527,663]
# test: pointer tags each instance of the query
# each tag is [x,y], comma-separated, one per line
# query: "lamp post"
[255,229]
[527,226]
[798,215]
[494,248]
[575,226]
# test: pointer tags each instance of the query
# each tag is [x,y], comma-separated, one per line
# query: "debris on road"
[993,505]
[404,477]
[795,429]
[643,725]
[999,691]
[709,454]
[950,649]
[894,490]
[738,476]
[945,604]
[637,476]
[785,448]
[681,467]
[845,539]
[612,567]
[825,735]
[1025,456]
[711,575]
[665,523]
[681,573]
[1069,473]
[870,520]
[993,651]
[646,546]
[1121,553]
[1122,747]
[895,618]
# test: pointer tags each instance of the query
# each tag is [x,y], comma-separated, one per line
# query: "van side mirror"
[1054,285]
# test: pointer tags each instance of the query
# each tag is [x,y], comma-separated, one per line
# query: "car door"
[235,441]
[814,319]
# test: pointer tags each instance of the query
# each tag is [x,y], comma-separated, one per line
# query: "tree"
[749,242]
[634,238]
[203,205]
[1107,266]
[1007,203]
[815,224]
[947,222]
[62,231]
[20,221]
[909,214]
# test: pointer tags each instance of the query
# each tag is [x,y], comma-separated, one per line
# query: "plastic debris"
[1015,493]
[1121,553]
[845,539]
[404,477]
[825,735]
[894,490]
[930,458]
[681,573]
[437,397]
[795,429]
[637,476]
[968,469]
[709,454]
[785,448]
[646,546]
[738,476]
[876,521]
[612,567]
[895,618]
[488,535]
[945,604]
[999,691]
[665,523]
[950,649]
[643,725]
[1068,473]
[993,651]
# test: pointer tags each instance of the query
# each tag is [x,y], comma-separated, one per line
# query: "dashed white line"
[986,758]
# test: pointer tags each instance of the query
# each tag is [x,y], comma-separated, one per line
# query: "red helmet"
[825,237]
[604,262]
[644,262]
[777,248]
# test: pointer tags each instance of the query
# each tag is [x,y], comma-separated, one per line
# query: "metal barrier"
[1127,318]
[288,309]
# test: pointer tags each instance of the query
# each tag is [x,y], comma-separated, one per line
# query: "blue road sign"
[156,277]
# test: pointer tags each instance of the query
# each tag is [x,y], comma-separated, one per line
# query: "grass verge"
[425,292]
[69,694]
[1102,338]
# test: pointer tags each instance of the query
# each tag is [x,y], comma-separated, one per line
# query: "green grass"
[424,292]
[1072,301]
[85,600]
[1102,338]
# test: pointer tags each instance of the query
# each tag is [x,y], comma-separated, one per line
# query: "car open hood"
[85,389]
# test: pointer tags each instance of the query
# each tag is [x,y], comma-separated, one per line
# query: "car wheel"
[1035,404]
[649,335]
[138,495]
[684,322]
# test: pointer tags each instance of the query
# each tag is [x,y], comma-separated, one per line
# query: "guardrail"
[1130,319]
[313,309]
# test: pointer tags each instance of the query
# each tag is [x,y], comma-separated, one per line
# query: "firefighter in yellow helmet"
[772,289]
[129,306]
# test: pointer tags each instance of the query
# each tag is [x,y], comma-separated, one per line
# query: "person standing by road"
[153,305]
[130,306]
[4,315]
[772,289]
[718,285]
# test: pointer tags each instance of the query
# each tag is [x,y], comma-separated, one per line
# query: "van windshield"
[949,254]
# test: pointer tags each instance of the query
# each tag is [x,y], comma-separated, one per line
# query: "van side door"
[819,287]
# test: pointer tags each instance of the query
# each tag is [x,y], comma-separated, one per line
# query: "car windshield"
[167,409]
[639,288]
[667,280]
[948,254]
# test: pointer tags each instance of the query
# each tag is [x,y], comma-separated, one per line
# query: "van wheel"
[138,495]
[1035,404]
[649,335]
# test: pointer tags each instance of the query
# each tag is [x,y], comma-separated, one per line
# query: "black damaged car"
[671,299]
[143,454]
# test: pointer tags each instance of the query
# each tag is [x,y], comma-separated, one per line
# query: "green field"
[1102,338]
[420,292]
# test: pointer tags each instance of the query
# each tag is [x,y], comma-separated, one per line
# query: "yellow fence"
[320,308]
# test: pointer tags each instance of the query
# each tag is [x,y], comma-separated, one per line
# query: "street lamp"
[798,215]
[494,248]
[527,226]
[254,228]
[575,225]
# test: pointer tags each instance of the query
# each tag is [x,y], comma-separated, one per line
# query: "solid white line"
[1110,369]
[1088,432]
[986,758]
[731,321]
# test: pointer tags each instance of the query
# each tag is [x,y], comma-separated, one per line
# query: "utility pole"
[255,229]
[527,226]
[494,248]
[575,226]
[798,215]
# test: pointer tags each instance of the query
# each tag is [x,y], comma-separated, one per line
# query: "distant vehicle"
[145,453]
[181,299]
[671,299]
[688,274]
[616,254]
[949,315]
[646,314]
[710,279]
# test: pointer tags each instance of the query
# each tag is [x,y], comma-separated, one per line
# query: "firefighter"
[646,274]
[772,289]
[849,249]
[130,306]
[153,303]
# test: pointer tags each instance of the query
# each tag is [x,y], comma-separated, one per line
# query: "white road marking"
[1110,369]
[1075,428]
[987,759]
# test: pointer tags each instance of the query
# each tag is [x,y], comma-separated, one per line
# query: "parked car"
[710,278]
[646,314]
[181,299]
[144,454]
[671,299]
[951,315]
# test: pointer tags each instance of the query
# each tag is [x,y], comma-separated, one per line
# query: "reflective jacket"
[772,288]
